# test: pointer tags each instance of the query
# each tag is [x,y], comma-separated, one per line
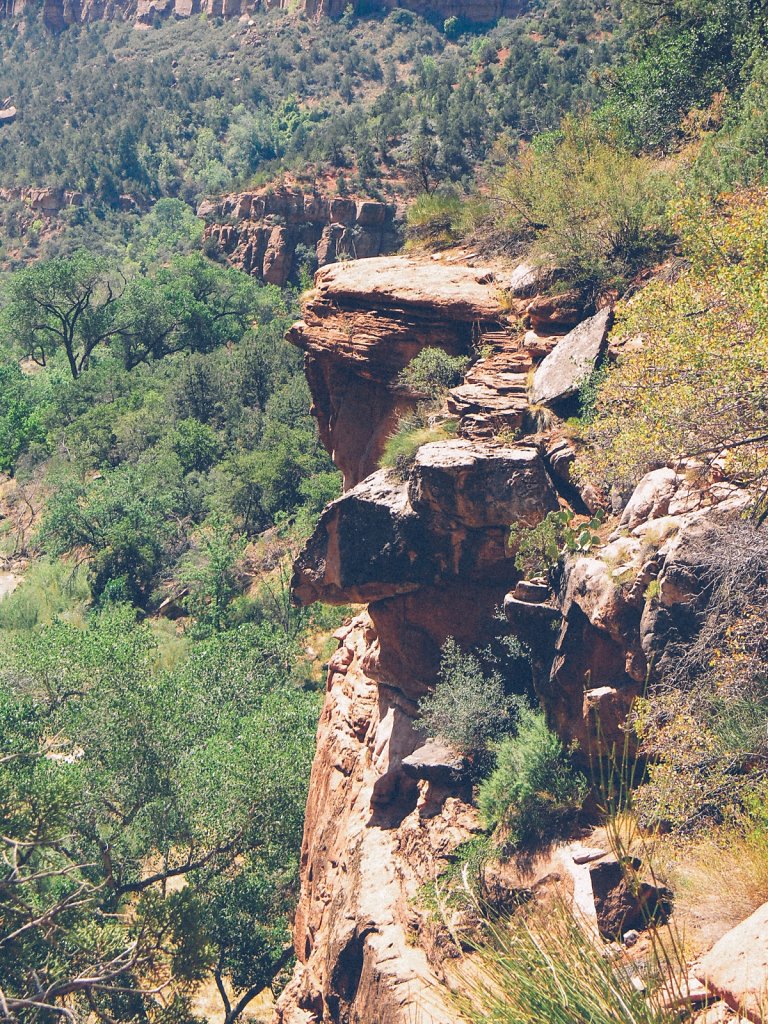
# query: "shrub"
[48,589]
[534,794]
[702,723]
[435,218]
[433,372]
[697,386]
[540,547]
[595,210]
[468,707]
[411,433]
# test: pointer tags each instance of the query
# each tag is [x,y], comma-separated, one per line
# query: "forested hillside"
[161,465]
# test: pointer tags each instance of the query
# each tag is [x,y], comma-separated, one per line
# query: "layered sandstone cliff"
[273,232]
[476,11]
[60,14]
[428,550]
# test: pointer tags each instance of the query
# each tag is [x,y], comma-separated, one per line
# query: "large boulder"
[482,485]
[736,967]
[527,279]
[572,360]
[363,548]
[623,900]
[651,498]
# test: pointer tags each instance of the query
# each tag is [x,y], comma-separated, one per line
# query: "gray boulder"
[572,360]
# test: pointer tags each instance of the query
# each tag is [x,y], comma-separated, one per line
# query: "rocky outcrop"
[736,967]
[46,200]
[428,548]
[273,232]
[365,321]
[572,360]
[450,520]
[374,835]
[477,11]
[60,14]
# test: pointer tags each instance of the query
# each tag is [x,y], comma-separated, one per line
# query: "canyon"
[428,551]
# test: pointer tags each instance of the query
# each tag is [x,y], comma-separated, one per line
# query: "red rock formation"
[373,836]
[264,229]
[59,14]
[364,322]
[430,553]
[478,11]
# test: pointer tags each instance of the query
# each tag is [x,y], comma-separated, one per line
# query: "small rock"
[630,938]
[436,762]
[651,498]
[534,593]
[586,854]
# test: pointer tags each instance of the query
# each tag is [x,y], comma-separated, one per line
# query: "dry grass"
[718,879]
[544,966]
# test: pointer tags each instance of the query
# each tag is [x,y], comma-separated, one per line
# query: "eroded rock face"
[478,11]
[269,232]
[449,520]
[365,321]
[372,838]
[616,632]
[431,555]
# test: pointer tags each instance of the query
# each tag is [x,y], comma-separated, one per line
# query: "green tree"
[696,387]
[115,778]
[211,575]
[67,304]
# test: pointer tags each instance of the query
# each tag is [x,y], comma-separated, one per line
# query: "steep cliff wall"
[477,11]
[59,14]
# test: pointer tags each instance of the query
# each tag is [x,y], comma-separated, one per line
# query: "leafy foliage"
[470,706]
[116,776]
[683,53]
[533,794]
[541,547]
[586,205]
[433,372]
[697,386]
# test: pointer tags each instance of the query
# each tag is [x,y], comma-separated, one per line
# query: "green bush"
[436,218]
[540,547]
[579,200]
[468,708]
[433,372]
[411,433]
[534,794]
[48,589]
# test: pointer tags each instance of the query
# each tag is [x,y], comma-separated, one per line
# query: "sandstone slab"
[736,967]
[481,485]
[568,365]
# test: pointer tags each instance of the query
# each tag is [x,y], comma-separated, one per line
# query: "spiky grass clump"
[410,434]
[545,966]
